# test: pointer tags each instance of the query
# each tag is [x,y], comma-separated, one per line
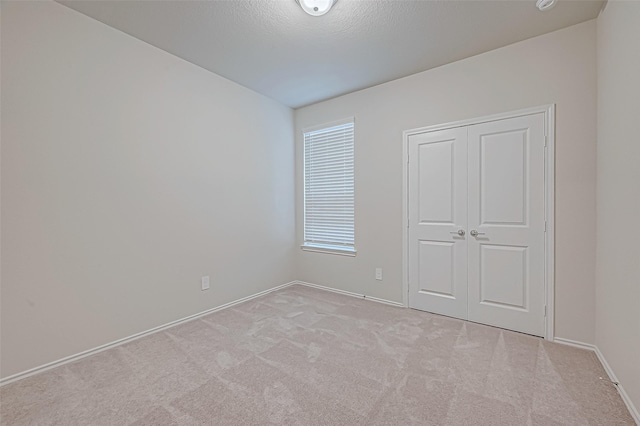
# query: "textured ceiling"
[274,48]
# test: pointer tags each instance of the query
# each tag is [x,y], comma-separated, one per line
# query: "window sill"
[329,250]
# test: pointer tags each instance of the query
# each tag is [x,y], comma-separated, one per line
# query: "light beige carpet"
[302,356]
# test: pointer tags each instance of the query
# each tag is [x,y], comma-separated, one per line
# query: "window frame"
[317,247]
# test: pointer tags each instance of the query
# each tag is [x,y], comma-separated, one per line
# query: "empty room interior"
[319,212]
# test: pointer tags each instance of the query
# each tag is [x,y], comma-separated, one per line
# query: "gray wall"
[618,266]
[127,174]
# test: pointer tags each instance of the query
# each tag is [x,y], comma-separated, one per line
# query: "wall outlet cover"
[379,274]
[205,283]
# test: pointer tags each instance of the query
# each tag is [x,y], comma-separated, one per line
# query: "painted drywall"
[558,67]
[127,174]
[618,193]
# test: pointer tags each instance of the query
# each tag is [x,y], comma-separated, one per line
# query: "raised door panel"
[436,181]
[437,269]
[504,277]
[503,178]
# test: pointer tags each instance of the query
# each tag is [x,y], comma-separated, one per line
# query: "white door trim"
[549,188]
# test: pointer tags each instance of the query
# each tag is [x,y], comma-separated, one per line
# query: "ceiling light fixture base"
[545,4]
[316,7]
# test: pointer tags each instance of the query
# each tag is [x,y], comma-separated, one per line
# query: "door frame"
[549,200]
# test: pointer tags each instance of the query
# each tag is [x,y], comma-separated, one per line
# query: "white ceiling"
[274,48]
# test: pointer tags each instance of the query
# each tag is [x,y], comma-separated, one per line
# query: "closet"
[476,222]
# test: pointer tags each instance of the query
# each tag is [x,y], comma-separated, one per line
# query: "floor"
[302,356]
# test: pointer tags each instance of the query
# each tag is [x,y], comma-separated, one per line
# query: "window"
[329,189]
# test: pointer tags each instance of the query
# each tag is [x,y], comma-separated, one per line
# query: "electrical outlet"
[379,274]
[205,283]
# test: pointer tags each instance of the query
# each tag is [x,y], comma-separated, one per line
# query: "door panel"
[436,159]
[506,208]
[437,210]
[437,266]
[503,276]
[503,178]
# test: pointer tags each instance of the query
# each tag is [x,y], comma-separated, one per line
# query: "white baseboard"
[76,357]
[84,354]
[625,397]
[575,344]
[607,368]
[349,293]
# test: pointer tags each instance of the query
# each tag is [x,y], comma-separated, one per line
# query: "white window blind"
[328,188]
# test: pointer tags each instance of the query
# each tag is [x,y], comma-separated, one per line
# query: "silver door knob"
[475,233]
[459,232]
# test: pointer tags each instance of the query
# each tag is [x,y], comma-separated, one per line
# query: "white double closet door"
[477,223]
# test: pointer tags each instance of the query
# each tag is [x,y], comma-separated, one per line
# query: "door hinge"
[545,226]
[545,311]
